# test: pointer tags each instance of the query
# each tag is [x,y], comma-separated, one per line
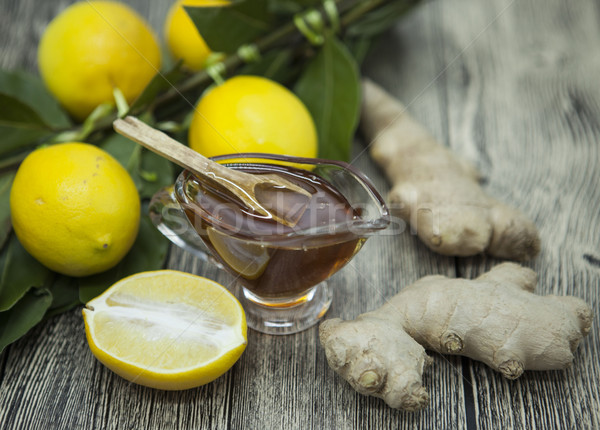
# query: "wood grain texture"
[542,133]
[511,86]
[518,86]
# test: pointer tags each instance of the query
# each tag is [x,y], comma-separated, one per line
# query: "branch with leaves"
[313,47]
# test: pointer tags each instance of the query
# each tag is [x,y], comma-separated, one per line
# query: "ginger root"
[437,193]
[495,319]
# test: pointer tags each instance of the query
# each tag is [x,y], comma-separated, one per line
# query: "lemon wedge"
[247,259]
[166,329]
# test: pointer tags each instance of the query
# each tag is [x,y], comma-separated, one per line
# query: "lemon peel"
[183,39]
[74,208]
[252,114]
[92,48]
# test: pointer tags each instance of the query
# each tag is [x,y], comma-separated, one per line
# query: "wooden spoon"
[267,194]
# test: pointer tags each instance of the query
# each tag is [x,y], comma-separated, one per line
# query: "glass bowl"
[280,271]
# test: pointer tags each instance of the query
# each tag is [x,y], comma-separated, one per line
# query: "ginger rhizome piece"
[437,193]
[495,319]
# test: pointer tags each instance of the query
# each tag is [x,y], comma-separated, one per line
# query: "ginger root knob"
[437,193]
[496,319]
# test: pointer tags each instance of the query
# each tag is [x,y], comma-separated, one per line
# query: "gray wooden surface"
[511,85]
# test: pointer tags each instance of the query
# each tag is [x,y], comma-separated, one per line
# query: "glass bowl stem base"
[280,317]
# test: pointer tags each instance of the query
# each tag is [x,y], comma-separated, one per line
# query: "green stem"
[360,10]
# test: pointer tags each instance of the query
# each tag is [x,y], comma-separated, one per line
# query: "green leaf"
[6,180]
[161,82]
[126,152]
[149,171]
[14,138]
[19,271]
[330,89]
[30,90]
[359,47]
[20,125]
[120,147]
[156,172]
[65,295]
[275,65]
[291,7]
[24,315]
[14,113]
[380,19]
[148,253]
[226,28]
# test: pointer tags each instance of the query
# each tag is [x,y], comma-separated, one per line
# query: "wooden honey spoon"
[267,194]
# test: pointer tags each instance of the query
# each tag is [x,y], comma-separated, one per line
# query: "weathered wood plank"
[523,103]
[512,86]
[279,382]
[509,77]
[391,262]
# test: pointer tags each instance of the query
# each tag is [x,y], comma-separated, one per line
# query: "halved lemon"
[166,329]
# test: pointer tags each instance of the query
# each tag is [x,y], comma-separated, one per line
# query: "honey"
[270,259]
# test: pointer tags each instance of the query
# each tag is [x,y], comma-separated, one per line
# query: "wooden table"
[512,86]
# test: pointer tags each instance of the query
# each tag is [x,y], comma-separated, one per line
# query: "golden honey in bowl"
[270,259]
[280,271]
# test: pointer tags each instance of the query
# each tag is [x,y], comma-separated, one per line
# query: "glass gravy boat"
[280,270]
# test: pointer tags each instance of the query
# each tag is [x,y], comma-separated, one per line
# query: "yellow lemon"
[74,208]
[166,329]
[93,47]
[252,114]
[183,39]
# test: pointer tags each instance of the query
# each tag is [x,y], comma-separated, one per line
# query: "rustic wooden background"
[512,86]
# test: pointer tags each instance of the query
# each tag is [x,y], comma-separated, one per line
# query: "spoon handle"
[170,149]
[274,197]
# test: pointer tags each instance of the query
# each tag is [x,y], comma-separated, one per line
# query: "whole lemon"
[252,114]
[74,208]
[183,39]
[93,47]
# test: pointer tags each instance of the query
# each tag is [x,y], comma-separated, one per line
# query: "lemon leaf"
[291,7]
[226,28]
[6,180]
[126,152]
[14,113]
[147,253]
[20,125]
[360,35]
[359,47]
[330,89]
[160,82]
[156,172]
[149,171]
[14,281]
[380,19]
[24,315]
[14,138]
[275,65]
[65,295]
[120,148]
[31,91]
